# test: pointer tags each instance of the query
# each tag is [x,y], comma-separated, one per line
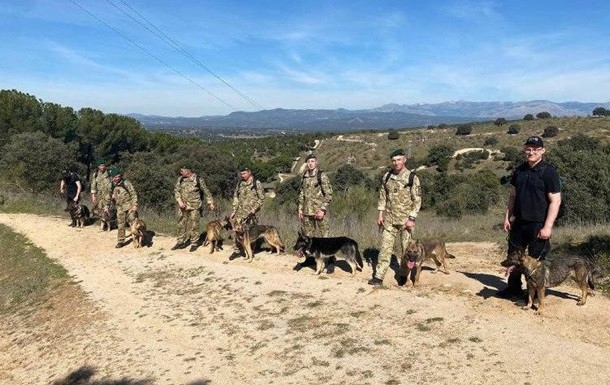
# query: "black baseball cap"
[534,141]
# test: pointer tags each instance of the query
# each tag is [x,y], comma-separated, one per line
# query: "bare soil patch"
[157,316]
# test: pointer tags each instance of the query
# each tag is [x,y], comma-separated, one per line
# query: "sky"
[226,56]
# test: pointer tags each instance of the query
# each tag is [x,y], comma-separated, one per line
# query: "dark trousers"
[524,235]
[70,206]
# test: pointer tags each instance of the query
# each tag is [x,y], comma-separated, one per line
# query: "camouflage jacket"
[124,195]
[397,199]
[248,198]
[190,190]
[310,194]
[101,184]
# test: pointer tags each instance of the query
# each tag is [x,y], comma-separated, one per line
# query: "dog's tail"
[450,256]
[358,257]
[595,272]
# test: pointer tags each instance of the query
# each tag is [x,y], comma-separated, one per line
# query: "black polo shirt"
[70,183]
[532,185]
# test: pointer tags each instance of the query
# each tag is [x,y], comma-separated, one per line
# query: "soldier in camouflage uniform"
[126,202]
[315,195]
[101,187]
[247,198]
[189,192]
[399,203]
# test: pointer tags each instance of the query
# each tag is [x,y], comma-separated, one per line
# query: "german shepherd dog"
[417,252]
[213,234]
[80,214]
[245,235]
[107,217]
[542,274]
[324,248]
[138,232]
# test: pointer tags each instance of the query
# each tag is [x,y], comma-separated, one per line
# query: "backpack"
[319,184]
[562,207]
[409,183]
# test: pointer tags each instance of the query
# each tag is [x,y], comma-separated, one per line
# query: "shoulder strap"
[409,183]
[411,178]
[319,175]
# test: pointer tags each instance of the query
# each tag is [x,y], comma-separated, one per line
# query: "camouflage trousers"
[245,219]
[310,224]
[388,238]
[188,225]
[124,218]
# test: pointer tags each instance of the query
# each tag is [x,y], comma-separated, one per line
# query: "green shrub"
[543,115]
[491,141]
[550,131]
[513,129]
[528,117]
[500,121]
[393,135]
[464,129]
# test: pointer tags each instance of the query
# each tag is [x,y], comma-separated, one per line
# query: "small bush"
[500,121]
[491,141]
[393,135]
[464,129]
[543,115]
[513,129]
[550,132]
[528,117]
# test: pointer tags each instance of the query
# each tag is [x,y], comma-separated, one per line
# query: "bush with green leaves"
[544,115]
[393,135]
[490,141]
[348,176]
[550,131]
[440,156]
[464,129]
[513,129]
[512,155]
[34,161]
[500,121]
[584,166]
[528,117]
[600,111]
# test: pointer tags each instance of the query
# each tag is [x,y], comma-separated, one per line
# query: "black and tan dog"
[138,232]
[419,251]
[245,235]
[213,234]
[80,214]
[542,274]
[323,248]
[107,217]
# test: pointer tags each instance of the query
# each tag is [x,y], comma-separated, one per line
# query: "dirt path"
[174,317]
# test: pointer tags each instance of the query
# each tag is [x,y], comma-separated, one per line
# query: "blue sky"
[304,54]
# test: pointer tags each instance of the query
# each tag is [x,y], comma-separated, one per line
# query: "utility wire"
[176,46]
[152,55]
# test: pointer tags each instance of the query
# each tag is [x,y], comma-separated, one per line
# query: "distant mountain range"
[384,117]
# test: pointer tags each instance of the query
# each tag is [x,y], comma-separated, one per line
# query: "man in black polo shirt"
[71,186]
[533,205]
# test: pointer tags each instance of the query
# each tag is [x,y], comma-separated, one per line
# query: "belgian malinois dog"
[542,274]
[213,233]
[106,216]
[245,235]
[324,248]
[138,232]
[417,252]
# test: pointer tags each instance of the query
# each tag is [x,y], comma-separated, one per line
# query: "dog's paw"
[580,303]
[526,307]
[446,272]
[537,312]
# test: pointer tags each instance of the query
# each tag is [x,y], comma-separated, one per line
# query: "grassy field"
[26,273]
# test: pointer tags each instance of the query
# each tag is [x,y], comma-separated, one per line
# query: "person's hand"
[380,219]
[212,207]
[62,190]
[232,216]
[506,225]
[544,233]
[181,205]
[135,208]
[75,199]
[409,225]
[93,198]
[300,213]
[320,214]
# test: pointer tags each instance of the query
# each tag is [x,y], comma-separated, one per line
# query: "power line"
[152,55]
[178,47]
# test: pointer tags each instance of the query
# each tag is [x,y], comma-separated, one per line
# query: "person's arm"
[133,195]
[510,207]
[301,200]
[416,199]
[78,190]
[62,187]
[207,193]
[551,215]
[381,203]
[260,196]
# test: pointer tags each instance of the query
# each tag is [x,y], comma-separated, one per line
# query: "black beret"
[397,152]
[310,156]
